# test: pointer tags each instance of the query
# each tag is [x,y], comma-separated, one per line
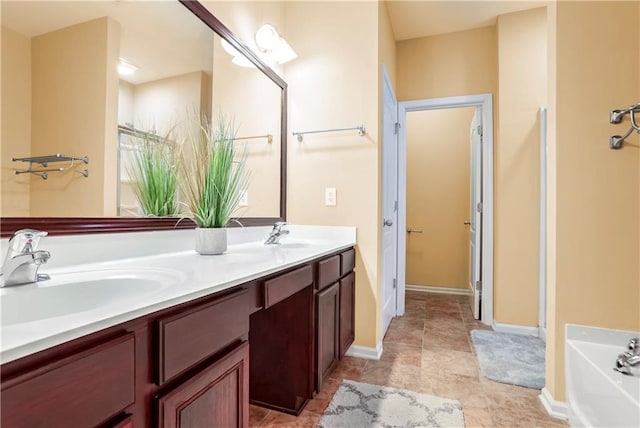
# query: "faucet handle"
[278,225]
[634,346]
[26,240]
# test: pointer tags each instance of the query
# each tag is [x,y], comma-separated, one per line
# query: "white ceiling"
[422,18]
[161,38]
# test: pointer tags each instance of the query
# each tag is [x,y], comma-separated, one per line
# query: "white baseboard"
[515,329]
[542,333]
[365,352]
[442,290]
[557,409]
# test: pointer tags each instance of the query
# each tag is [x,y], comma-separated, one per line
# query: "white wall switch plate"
[244,199]
[330,197]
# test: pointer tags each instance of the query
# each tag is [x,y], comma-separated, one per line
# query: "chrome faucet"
[629,359]
[276,233]
[22,261]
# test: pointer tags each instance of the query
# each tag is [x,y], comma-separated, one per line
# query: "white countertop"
[173,273]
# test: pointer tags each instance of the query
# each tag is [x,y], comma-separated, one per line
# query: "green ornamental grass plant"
[154,170]
[213,175]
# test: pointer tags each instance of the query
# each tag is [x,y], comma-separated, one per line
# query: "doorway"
[480,202]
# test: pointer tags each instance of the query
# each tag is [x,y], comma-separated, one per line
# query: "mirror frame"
[79,225]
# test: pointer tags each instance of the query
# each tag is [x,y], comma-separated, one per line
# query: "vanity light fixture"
[125,68]
[272,45]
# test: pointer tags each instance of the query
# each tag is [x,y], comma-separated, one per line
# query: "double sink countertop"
[98,281]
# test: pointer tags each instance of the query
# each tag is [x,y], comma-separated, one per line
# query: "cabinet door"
[218,396]
[327,332]
[347,312]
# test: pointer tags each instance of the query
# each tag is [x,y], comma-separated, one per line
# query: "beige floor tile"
[415,309]
[453,340]
[436,361]
[257,415]
[398,353]
[463,388]
[475,417]
[306,419]
[323,398]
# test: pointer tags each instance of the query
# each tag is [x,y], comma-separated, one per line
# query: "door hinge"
[479,130]
[395,206]
[394,283]
[479,207]
[478,285]
[397,128]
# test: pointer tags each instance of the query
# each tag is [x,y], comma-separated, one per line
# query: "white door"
[475,215]
[389,203]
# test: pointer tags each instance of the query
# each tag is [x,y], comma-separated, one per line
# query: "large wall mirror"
[64,91]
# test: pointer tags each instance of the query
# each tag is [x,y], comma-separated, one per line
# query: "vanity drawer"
[347,261]
[283,286]
[82,390]
[191,336]
[328,271]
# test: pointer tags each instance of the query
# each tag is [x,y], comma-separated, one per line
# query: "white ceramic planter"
[211,241]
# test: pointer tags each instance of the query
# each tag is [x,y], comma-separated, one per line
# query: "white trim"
[515,329]
[365,352]
[542,333]
[557,409]
[485,101]
[400,307]
[441,290]
[542,263]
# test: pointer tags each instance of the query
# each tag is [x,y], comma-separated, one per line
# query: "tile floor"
[429,350]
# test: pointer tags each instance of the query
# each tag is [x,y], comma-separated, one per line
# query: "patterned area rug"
[361,405]
[515,359]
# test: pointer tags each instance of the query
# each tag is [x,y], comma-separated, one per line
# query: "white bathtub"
[597,395]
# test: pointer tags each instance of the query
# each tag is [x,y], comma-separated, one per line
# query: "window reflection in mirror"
[62,94]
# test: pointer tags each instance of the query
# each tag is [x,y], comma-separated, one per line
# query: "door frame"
[485,102]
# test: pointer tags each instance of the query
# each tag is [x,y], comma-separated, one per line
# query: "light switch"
[330,197]
[244,198]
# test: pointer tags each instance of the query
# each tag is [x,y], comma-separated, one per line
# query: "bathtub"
[598,396]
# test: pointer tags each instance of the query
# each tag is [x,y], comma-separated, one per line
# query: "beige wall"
[15,122]
[461,63]
[333,84]
[89,90]
[166,103]
[254,102]
[438,183]
[386,45]
[595,279]
[522,88]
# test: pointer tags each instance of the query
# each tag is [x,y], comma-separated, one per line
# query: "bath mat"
[362,405]
[515,359]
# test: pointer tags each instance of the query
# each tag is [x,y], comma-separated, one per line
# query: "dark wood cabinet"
[347,311]
[191,365]
[281,337]
[328,313]
[82,389]
[217,396]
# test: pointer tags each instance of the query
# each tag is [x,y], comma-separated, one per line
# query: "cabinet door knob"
[467,222]
[388,222]
[413,231]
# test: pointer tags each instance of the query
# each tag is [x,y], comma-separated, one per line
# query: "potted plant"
[154,172]
[213,177]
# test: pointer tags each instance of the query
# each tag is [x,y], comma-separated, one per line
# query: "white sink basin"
[72,293]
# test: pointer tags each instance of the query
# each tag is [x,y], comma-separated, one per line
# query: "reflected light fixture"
[272,45]
[238,58]
[125,68]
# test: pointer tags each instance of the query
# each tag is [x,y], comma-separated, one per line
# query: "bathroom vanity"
[267,330]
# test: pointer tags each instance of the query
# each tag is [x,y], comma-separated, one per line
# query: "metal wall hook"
[616,116]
